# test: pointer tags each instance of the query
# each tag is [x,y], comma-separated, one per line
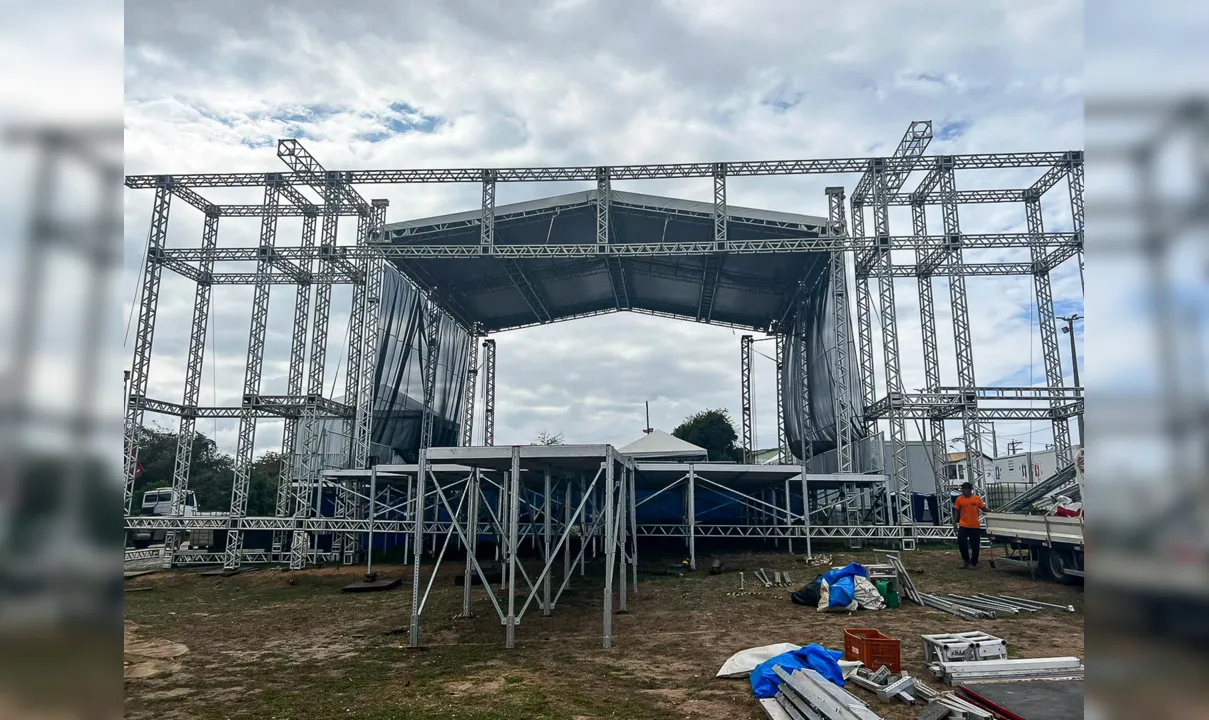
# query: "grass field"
[270,644]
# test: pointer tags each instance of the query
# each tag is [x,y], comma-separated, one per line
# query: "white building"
[1027,467]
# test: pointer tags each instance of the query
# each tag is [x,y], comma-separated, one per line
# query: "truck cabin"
[159,501]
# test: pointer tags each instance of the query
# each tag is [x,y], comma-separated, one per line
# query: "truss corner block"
[1074,158]
[205,277]
[165,181]
[719,169]
[273,178]
[379,202]
[266,252]
[877,165]
[883,242]
[1030,195]
[835,190]
[946,162]
[953,241]
[327,252]
[155,253]
[251,401]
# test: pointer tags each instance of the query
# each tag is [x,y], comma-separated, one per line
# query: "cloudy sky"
[210,88]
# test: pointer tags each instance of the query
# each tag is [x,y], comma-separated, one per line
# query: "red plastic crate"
[872,648]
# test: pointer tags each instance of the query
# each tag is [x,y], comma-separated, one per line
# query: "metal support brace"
[783,453]
[971,423]
[927,318]
[291,454]
[252,375]
[144,331]
[193,372]
[844,413]
[745,394]
[468,398]
[894,382]
[610,543]
[309,491]
[1075,186]
[514,505]
[487,228]
[864,323]
[489,392]
[1049,333]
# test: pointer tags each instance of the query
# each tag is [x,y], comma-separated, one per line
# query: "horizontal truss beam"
[822,244]
[588,173]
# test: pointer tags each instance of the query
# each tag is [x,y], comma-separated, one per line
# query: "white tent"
[658,445]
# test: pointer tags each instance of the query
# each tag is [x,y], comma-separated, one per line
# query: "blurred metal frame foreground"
[297,523]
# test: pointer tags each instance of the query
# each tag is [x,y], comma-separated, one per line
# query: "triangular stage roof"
[658,444]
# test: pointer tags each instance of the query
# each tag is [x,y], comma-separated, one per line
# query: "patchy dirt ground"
[270,644]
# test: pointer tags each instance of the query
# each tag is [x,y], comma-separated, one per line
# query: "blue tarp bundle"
[841,587]
[764,681]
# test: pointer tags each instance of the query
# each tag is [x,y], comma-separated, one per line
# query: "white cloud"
[605,83]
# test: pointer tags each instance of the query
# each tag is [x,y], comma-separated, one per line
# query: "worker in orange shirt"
[969,530]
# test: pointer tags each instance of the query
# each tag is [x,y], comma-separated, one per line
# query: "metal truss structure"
[877,259]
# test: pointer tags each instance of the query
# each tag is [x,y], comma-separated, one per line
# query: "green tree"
[712,430]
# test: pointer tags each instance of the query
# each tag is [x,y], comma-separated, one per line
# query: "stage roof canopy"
[500,293]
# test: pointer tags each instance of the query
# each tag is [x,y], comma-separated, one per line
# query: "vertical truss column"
[468,398]
[971,423]
[1074,180]
[1049,330]
[844,415]
[604,197]
[487,223]
[291,454]
[489,392]
[432,319]
[719,207]
[894,380]
[783,454]
[252,375]
[927,323]
[864,320]
[345,504]
[356,332]
[311,454]
[805,419]
[193,374]
[144,332]
[375,266]
[745,394]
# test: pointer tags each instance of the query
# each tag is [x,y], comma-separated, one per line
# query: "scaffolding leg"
[513,542]
[610,555]
[692,519]
[546,542]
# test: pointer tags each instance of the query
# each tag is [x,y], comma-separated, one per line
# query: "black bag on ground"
[808,595]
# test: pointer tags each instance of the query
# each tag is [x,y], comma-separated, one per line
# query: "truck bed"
[1037,528]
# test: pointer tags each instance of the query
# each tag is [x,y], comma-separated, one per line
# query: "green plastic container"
[888,593]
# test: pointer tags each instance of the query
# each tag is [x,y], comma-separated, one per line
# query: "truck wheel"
[1056,564]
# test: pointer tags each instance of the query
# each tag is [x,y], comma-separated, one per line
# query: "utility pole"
[1012,446]
[994,442]
[1069,329]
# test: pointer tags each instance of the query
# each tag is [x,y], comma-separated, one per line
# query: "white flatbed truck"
[1045,544]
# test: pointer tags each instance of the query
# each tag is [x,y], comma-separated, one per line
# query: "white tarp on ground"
[659,445]
[743,662]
